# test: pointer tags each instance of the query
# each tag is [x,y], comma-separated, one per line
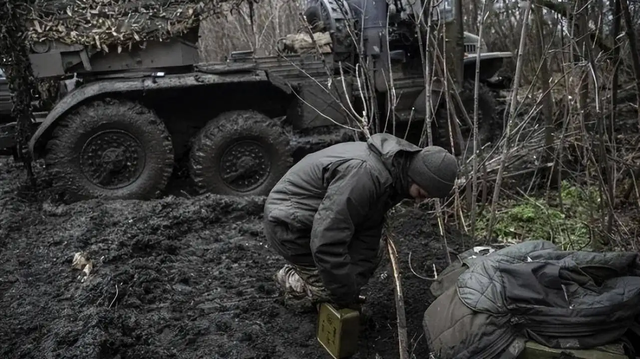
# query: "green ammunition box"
[338,330]
[534,350]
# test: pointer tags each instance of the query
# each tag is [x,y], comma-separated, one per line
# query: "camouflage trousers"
[302,280]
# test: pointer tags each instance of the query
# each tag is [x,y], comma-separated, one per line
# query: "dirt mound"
[175,278]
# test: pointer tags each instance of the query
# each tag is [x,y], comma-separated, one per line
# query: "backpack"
[490,303]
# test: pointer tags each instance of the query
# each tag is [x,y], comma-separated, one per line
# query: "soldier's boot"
[297,295]
[290,282]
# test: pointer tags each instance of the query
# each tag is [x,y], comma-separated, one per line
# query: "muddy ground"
[176,278]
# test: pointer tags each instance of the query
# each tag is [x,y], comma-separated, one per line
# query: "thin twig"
[418,275]
[399,297]
[114,298]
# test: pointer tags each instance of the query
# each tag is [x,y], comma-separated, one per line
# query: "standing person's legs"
[298,278]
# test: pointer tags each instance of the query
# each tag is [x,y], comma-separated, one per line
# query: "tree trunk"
[633,44]
[543,80]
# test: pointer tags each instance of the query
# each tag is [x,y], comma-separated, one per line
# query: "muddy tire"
[110,149]
[240,153]
[489,127]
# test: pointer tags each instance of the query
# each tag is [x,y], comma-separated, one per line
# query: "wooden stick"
[403,341]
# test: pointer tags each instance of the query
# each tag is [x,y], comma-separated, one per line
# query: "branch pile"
[102,23]
[20,79]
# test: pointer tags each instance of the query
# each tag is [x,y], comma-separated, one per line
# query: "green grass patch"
[531,218]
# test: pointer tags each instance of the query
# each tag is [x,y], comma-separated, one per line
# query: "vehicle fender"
[488,56]
[130,85]
[490,64]
[437,96]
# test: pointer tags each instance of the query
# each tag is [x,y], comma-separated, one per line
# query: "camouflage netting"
[118,22]
[99,23]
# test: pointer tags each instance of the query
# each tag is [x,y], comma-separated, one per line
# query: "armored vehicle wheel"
[240,153]
[489,128]
[110,149]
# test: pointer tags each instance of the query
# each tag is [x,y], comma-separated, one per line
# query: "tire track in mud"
[174,278]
